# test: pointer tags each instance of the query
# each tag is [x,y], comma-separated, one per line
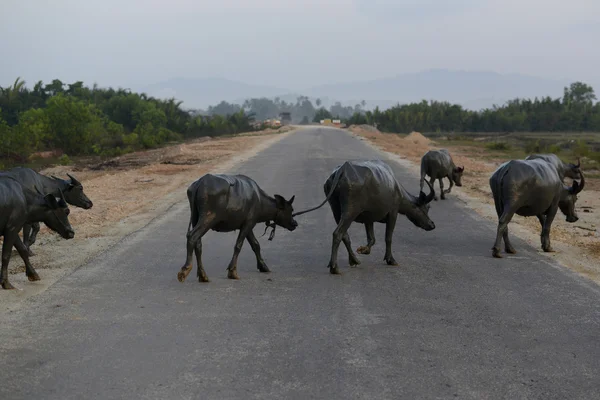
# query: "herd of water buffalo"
[357,191]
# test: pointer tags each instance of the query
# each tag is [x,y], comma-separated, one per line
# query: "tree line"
[576,111]
[302,110]
[82,120]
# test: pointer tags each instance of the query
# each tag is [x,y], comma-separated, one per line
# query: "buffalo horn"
[579,186]
[431,194]
[74,181]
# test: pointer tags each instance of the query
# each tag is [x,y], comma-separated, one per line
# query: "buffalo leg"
[390,224]
[35,228]
[340,231]
[260,263]
[508,247]
[502,227]
[232,268]
[336,209]
[545,237]
[6,251]
[432,181]
[193,237]
[352,259]
[370,239]
[442,193]
[451,185]
[32,275]
[422,180]
[27,238]
[202,277]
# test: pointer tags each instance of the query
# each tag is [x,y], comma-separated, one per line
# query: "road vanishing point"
[448,322]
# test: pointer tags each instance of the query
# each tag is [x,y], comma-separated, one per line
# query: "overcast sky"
[293,43]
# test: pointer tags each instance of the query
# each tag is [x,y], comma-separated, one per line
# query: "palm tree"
[11,93]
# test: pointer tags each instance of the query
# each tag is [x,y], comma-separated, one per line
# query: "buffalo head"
[74,193]
[285,210]
[569,197]
[56,215]
[419,213]
[457,175]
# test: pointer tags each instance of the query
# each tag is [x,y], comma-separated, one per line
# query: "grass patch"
[502,146]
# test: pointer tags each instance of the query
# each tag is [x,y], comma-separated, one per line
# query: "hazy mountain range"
[472,89]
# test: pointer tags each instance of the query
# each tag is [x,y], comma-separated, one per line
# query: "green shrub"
[581,148]
[532,147]
[502,146]
[64,160]
[554,149]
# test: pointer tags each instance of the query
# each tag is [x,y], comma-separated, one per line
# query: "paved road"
[449,322]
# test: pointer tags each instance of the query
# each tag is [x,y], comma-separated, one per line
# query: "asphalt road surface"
[448,322]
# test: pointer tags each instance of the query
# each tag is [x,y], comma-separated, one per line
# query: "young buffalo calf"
[18,206]
[225,203]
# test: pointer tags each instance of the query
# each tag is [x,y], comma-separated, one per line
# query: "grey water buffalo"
[531,188]
[226,203]
[567,170]
[438,164]
[367,192]
[72,191]
[20,205]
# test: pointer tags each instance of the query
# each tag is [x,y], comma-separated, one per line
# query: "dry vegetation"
[128,192]
[577,245]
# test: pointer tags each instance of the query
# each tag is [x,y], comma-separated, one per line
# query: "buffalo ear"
[51,201]
[280,201]
[291,200]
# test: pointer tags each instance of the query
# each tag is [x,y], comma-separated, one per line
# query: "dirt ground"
[577,245]
[128,192]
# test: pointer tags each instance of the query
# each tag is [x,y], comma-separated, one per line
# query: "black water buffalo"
[367,192]
[20,205]
[226,203]
[564,170]
[438,164]
[528,188]
[72,191]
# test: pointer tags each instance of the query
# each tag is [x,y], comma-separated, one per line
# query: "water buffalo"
[438,164]
[20,205]
[528,188]
[72,191]
[564,170]
[226,203]
[367,192]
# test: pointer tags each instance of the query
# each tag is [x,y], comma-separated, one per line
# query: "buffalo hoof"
[34,277]
[354,261]
[496,253]
[334,271]
[203,278]
[443,197]
[435,198]
[390,261]
[364,250]
[548,249]
[185,271]
[263,268]
[510,250]
[6,285]
[30,253]
[232,274]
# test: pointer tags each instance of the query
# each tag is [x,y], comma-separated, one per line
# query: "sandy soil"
[128,192]
[577,245]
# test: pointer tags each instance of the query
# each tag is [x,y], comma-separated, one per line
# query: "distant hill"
[472,89]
